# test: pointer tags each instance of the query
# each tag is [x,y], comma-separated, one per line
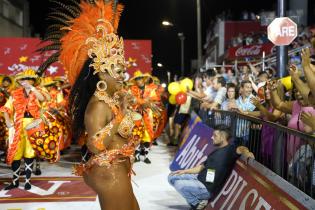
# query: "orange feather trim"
[74,51]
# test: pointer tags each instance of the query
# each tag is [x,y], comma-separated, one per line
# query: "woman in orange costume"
[96,103]
[161,117]
[20,110]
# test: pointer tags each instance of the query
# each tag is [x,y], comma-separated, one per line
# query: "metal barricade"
[287,152]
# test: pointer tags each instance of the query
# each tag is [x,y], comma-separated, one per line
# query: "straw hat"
[156,80]
[28,73]
[139,74]
[60,79]
[46,81]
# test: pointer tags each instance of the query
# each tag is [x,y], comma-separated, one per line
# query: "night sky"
[142,19]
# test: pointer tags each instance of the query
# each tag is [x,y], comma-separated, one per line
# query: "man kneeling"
[197,185]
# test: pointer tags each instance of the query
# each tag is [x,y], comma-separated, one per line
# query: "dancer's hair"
[81,92]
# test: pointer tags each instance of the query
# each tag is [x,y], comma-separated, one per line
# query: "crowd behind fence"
[287,152]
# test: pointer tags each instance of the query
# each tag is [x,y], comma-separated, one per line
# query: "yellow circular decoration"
[174,88]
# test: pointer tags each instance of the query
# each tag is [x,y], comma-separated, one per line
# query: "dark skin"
[110,183]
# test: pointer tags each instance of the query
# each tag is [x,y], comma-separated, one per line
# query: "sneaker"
[137,159]
[37,171]
[27,186]
[147,161]
[202,205]
[11,186]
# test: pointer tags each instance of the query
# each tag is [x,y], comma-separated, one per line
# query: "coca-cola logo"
[253,50]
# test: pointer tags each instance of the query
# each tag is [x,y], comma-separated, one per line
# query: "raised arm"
[253,68]
[255,87]
[298,83]
[284,106]
[309,69]
[271,116]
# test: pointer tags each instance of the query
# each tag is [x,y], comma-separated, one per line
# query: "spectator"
[219,87]
[268,133]
[230,102]
[262,79]
[230,76]
[295,108]
[243,103]
[208,93]
[180,119]
[197,185]
[245,106]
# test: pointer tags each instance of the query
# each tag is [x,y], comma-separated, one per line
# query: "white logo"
[249,51]
[36,190]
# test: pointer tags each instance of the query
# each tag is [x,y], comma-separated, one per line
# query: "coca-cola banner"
[250,51]
[246,188]
[18,54]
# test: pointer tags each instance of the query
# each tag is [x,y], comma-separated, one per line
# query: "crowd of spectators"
[257,93]
[241,89]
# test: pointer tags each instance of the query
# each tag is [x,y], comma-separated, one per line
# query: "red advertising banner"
[250,51]
[18,54]
[138,54]
[246,188]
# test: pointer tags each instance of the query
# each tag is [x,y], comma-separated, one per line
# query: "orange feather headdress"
[85,29]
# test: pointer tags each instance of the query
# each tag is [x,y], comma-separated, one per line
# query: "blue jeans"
[190,188]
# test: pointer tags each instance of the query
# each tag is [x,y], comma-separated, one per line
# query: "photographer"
[197,185]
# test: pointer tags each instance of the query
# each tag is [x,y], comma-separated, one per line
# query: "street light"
[167,23]
[160,65]
[182,39]
[199,34]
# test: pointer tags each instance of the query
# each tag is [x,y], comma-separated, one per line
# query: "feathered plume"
[74,23]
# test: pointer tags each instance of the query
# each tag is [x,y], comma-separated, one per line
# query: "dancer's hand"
[26,85]
[9,124]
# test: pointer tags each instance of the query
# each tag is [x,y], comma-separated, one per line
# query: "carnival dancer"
[64,87]
[96,104]
[55,113]
[159,118]
[146,97]
[20,110]
[63,91]
[5,89]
